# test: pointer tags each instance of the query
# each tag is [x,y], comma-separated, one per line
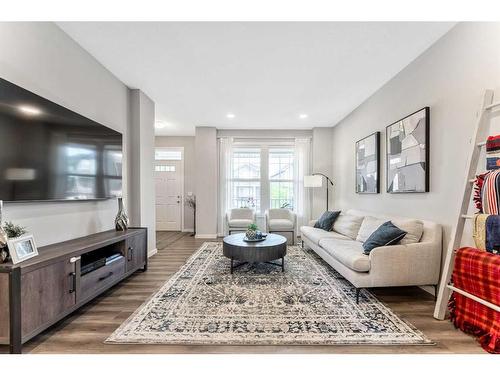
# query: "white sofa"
[414,261]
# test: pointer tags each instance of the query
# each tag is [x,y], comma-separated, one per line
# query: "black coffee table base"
[237,249]
[234,266]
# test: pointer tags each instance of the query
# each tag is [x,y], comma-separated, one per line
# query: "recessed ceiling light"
[303,116]
[230,115]
[29,110]
[160,124]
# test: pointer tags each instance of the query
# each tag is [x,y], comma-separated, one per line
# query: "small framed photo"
[22,248]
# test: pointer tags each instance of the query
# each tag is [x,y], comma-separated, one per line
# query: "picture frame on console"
[22,248]
[368,164]
[407,153]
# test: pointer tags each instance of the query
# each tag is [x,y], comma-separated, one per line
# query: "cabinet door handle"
[105,277]
[73,282]
[130,254]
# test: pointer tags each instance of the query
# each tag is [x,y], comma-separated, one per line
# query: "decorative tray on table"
[255,239]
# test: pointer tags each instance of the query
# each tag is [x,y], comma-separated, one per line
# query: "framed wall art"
[367,164]
[407,149]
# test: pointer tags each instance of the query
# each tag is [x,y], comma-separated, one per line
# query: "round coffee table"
[273,247]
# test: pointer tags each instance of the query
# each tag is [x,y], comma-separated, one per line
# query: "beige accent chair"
[416,260]
[238,219]
[281,220]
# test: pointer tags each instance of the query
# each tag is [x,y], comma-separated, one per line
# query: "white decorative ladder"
[479,140]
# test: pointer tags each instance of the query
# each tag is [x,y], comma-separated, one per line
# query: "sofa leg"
[357,295]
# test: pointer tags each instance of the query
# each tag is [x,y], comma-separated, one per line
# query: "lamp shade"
[313,181]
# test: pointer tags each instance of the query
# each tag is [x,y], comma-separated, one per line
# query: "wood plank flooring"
[85,330]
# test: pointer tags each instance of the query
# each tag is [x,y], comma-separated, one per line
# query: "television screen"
[48,152]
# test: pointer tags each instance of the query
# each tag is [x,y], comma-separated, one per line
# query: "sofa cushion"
[326,220]
[315,234]
[414,230]
[239,223]
[280,224]
[370,224]
[348,252]
[387,234]
[348,225]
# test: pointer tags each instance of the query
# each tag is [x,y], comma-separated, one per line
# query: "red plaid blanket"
[477,272]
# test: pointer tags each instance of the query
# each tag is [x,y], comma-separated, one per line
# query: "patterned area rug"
[259,305]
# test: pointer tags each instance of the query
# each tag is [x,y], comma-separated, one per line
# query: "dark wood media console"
[39,292]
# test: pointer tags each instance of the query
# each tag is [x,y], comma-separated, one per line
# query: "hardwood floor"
[85,330]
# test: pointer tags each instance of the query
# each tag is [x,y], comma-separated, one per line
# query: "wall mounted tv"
[48,152]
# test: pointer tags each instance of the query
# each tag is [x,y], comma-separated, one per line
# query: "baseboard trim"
[152,252]
[188,230]
[206,236]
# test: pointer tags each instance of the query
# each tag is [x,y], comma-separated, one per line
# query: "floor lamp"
[316,180]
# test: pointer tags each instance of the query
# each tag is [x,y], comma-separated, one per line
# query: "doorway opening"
[169,188]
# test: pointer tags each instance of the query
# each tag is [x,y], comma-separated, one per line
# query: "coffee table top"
[271,240]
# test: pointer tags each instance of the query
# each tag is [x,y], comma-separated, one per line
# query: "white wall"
[449,78]
[189,169]
[206,182]
[142,144]
[43,59]
[322,163]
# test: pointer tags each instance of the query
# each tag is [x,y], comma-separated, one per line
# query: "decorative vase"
[251,234]
[121,220]
[4,254]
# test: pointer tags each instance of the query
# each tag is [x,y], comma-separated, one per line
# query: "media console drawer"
[94,281]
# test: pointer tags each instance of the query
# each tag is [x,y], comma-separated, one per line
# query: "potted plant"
[251,232]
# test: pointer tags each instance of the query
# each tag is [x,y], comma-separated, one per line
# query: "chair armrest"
[413,264]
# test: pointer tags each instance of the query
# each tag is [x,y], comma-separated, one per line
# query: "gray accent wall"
[450,78]
[40,57]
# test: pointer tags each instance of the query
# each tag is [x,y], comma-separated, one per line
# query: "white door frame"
[181,149]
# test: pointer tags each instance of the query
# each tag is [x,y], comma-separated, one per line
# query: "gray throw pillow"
[326,220]
[387,234]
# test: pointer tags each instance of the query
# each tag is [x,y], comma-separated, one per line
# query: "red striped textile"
[478,273]
[490,194]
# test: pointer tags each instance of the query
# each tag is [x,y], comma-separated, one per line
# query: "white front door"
[169,199]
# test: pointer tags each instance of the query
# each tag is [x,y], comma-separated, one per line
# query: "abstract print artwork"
[367,164]
[407,144]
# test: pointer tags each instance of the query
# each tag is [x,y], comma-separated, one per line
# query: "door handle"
[102,278]
[73,282]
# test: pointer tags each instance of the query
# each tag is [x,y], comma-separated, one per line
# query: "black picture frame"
[392,142]
[376,137]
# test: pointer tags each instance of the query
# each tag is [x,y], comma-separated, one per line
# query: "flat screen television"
[48,152]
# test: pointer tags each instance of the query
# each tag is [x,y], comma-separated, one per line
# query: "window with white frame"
[281,177]
[262,177]
[245,181]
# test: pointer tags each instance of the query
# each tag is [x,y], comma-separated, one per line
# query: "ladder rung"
[467,216]
[473,297]
[492,105]
[481,144]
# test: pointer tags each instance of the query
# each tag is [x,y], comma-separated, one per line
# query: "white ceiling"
[266,74]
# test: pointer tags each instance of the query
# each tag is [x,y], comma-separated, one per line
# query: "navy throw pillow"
[326,220]
[385,235]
